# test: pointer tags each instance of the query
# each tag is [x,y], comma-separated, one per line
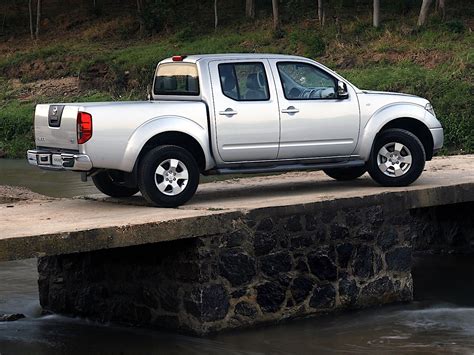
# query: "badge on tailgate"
[54,115]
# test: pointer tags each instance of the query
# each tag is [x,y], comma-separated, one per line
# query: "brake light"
[178,58]
[84,127]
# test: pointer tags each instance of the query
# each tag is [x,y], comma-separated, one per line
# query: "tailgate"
[55,126]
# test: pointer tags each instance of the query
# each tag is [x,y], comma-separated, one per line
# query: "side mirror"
[342,90]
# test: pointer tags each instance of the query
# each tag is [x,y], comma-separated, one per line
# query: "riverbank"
[13,194]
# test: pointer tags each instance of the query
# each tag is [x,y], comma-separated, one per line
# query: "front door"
[246,110]
[315,123]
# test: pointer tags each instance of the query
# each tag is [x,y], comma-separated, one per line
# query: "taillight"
[84,127]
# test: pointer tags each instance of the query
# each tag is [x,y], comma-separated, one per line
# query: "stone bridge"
[244,251]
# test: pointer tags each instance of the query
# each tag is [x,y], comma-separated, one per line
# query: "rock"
[11,317]
[245,309]
[301,288]
[234,239]
[399,259]
[339,232]
[310,223]
[275,263]
[348,292]
[264,243]
[362,263]
[293,224]
[387,238]
[366,233]
[3,154]
[323,297]
[322,266]
[270,296]
[236,266]
[344,253]
[374,215]
[302,241]
[265,225]
[207,303]
[379,291]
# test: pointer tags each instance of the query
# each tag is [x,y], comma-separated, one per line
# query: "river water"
[440,320]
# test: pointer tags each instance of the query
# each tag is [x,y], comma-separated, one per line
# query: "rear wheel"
[168,176]
[112,183]
[397,158]
[345,174]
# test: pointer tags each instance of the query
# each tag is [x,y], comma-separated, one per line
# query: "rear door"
[55,126]
[246,113]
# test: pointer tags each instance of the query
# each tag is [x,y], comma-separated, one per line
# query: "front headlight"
[430,109]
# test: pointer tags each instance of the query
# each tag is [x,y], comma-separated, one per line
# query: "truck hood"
[394,97]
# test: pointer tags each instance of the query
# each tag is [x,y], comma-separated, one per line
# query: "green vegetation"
[435,62]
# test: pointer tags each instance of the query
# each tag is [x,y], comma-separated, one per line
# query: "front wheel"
[397,158]
[168,176]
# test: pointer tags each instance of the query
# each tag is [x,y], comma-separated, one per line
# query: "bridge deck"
[60,226]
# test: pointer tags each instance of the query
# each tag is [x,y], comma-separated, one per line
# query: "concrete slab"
[59,226]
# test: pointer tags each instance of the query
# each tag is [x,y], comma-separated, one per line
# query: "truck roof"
[208,57]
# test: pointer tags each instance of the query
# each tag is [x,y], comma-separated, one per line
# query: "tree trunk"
[425,6]
[250,8]
[38,18]
[216,18]
[321,16]
[276,18]
[141,22]
[441,8]
[376,13]
[30,11]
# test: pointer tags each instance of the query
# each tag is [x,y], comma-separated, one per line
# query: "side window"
[302,81]
[244,81]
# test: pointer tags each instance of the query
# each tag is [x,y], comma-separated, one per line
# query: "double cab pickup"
[237,113]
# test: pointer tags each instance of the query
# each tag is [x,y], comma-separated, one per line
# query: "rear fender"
[163,124]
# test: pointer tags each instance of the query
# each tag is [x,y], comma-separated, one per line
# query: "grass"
[436,62]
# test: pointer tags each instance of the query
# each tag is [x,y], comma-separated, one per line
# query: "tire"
[163,163]
[111,184]
[345,174]
[400,155]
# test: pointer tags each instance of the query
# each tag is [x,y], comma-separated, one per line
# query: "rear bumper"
[59,161]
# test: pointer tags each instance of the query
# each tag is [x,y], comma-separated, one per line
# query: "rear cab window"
[177,79]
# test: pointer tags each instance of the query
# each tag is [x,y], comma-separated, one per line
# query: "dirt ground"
[11,194]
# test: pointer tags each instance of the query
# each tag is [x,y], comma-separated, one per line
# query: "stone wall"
[275,265]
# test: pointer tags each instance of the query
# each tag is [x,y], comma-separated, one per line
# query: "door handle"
[290,110]
[228,112]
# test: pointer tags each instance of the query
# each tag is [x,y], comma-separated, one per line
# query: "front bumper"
[59,161]
[438,138]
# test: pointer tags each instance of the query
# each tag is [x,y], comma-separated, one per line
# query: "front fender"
[162,124]
[386,114]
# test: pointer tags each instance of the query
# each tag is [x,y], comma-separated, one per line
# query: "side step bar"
[289,167]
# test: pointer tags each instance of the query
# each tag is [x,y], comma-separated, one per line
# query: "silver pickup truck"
[237,113]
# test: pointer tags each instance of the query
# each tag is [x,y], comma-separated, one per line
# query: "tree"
[250,8]
[276,18]
[376,13]
[38,18]
[30,11]
[441,8]
[216,19]
[321,16]
[425,7]
[141,21]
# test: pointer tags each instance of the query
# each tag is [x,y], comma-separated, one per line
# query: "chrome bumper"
[59,161]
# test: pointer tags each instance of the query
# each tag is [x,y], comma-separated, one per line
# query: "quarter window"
[302,81]
[244,81]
